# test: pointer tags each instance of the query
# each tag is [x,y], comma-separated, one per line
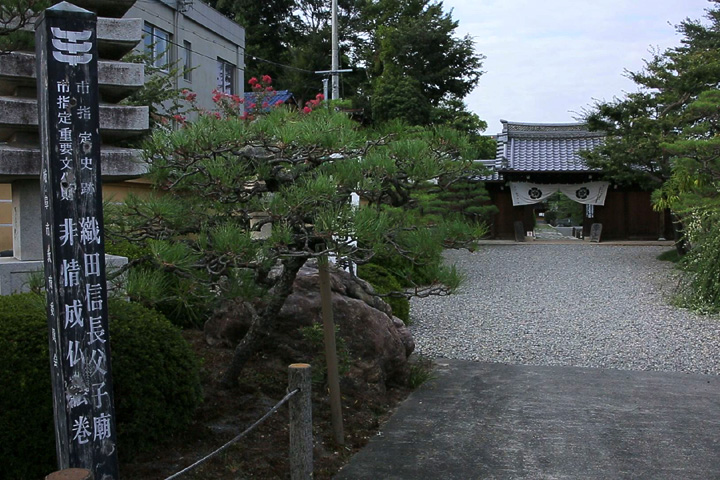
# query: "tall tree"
[644,127]
[411,54]
[406,58]
[695,169]
[269,32]
[641,125]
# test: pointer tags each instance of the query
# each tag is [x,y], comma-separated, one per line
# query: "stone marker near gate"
[519,231]
[73,243]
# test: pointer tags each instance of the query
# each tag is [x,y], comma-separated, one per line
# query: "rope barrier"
[245,432]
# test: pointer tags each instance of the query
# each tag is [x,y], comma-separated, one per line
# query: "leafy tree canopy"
[15,16]
[406,57]
[642,125]
[665,135]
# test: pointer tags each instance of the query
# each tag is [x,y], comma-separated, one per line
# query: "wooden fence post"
[301,437]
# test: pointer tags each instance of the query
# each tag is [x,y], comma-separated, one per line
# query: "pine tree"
[227,180]
[15,17]
[648,130]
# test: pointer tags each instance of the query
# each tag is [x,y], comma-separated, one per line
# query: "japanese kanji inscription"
[66,47]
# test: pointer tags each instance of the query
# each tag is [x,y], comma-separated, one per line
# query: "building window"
[157,46]
[225,77]
[187,61]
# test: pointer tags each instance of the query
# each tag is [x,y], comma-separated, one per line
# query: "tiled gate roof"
[544,147]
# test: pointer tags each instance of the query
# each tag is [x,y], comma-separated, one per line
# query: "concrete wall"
[211,36]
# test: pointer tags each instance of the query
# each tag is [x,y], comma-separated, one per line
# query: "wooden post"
[73,243]
[71,474]
[330,350]
[301,437]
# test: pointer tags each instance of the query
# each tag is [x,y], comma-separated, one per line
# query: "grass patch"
[421,370]
[670,256]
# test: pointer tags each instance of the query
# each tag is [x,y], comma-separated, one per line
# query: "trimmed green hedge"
[156,376]
[27,432]
[384,282]
[155,373]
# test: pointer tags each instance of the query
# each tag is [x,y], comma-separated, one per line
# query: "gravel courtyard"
[584,305]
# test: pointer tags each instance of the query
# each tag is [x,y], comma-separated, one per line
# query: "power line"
[280,64]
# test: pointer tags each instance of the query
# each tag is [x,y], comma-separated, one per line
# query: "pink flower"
[268,89]
[320,97]
[278,103]
[217,114]
[265,105]
[307,110]
[267,79]
[253,81]
[235,98]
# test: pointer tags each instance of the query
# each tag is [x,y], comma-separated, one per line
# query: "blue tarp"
[271,98]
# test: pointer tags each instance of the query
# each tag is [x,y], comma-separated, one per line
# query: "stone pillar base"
[15,274]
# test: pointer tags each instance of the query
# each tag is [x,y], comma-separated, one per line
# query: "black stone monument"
[595,232]
[73,245]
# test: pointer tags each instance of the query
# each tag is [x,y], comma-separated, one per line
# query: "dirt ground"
[264,452]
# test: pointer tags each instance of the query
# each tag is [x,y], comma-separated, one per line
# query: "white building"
[206,46]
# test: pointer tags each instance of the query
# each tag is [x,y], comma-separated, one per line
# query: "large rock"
[378,344]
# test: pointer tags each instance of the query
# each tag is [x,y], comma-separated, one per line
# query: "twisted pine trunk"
[263,322]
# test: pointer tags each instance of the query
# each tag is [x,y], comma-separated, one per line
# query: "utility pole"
[335,62]
[334,74]
[334,71]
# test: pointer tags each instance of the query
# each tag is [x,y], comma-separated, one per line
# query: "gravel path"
[575,305]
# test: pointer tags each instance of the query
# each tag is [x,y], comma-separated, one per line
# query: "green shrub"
[27,432]
[421,370]
[423,271]
[670,256]
[185,303]
[702,264]
[315,337]
[156,376]
[385,282]
[123,248]
[182,301]
[156,380]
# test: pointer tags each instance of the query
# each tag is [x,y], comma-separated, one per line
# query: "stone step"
[23,163]
[117,79]
[116,122]
[118,36]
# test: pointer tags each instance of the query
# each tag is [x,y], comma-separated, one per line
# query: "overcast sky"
[548,59]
